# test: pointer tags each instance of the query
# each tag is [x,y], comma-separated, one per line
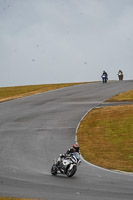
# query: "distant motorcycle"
[104,78]
[68,165]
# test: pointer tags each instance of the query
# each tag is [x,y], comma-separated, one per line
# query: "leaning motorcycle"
[67,165]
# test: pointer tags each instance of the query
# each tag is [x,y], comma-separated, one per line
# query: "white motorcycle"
[66,165]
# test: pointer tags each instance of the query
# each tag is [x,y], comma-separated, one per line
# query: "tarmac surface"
[34,130]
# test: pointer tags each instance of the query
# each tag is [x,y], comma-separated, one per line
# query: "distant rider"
[120,75]
[104,77]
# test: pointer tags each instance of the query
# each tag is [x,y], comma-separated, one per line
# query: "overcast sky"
[59,41]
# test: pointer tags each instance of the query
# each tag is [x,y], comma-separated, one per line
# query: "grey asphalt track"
[36,129]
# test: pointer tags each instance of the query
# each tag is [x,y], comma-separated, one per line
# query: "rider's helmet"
[76,148]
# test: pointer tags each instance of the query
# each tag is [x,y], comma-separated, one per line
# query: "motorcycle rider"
[104,77]
[120,75]
[74,149]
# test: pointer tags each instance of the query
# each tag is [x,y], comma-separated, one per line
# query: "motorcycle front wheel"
[54,170]
[71,172]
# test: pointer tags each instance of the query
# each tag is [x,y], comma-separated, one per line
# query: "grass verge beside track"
[105,135]
[10,93]
[125,96]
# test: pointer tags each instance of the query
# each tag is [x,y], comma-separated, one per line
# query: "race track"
[36,129]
